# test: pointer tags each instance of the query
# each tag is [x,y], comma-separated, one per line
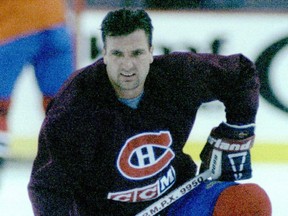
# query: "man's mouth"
[127,74]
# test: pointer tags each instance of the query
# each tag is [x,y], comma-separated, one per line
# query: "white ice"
[14,199]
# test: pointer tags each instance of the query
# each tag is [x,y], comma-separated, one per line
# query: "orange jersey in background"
[22,17]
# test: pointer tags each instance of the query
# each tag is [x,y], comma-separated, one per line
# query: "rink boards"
[26,149]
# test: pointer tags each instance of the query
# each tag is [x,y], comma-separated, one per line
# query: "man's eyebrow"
[115,51]
[139,50]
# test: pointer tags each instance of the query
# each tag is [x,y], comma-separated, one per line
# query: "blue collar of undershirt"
[133,102]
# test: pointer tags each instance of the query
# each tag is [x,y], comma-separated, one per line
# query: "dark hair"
[126,21]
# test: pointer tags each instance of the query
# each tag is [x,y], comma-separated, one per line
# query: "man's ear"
[104,55]
[151,53]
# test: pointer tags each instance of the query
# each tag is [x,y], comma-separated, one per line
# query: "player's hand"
[227,152]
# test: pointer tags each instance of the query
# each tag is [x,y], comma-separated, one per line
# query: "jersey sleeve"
[51,184]
[62,167]
[58,164]
[233,80]
[201,78]
[237,86]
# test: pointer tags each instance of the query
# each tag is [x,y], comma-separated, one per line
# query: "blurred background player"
[33,32]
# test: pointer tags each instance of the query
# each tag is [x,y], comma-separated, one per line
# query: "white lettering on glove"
[216,164]
[231,145]
[237,172]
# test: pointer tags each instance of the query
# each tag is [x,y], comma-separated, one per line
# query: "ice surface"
[14,199]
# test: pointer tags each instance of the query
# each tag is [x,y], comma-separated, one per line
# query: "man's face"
[128,60]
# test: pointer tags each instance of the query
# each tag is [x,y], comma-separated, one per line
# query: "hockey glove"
[227,152]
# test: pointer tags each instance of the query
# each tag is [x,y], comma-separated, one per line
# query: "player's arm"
[238,88]
[227,151]
[50,188]
[58,167]
[53,178]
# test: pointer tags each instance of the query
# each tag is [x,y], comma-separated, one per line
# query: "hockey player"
[112,140]
[32,32]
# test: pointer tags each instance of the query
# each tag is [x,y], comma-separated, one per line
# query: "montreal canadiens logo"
[145,155]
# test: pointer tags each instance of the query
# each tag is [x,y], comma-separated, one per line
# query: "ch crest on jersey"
[145,155]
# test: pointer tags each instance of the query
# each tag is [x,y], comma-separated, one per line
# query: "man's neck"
[132,102]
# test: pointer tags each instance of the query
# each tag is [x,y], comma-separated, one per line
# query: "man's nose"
[127,63]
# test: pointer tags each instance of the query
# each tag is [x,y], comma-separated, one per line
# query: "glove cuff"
[234,131]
